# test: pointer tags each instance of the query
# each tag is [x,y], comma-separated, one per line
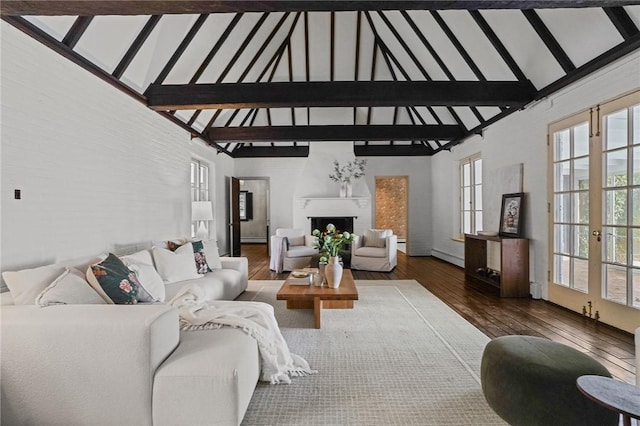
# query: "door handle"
[597,234]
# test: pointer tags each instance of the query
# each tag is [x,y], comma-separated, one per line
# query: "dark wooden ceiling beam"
[160,7]
[549,40]
[245,151]
[78,28]
[412,150]
[339,94]
[136,45]
[621,20]
[334,133]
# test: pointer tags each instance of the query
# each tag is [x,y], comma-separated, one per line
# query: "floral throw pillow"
[119,283]
[201,260]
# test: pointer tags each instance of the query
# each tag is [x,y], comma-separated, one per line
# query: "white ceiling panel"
[319,45]
[203,119]
[582,33]
[330,116]
[415,44]
[199,48]
[467,116]
[442,45]
[107,39]
[55,26]
[366,50]
[522,42]
[242,63]
[345,45]
[157,50]
[477,45]
[230,47]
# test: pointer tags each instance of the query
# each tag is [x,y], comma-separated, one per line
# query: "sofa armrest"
[357,242]
[240,264]
[72,364]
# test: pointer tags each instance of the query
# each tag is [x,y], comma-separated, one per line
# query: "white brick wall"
[97,169]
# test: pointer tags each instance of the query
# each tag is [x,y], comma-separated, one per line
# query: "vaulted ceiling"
[266,78]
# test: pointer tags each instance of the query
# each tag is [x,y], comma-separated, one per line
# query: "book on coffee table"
[300,277]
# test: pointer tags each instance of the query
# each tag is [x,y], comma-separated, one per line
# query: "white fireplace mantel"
[360,202]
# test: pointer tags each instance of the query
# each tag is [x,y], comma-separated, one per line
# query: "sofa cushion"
[376,237]
[27,284]
[70,288]
[116,283]
[142,264]
[301,251]
[190,389]
[176,265]
[371,252]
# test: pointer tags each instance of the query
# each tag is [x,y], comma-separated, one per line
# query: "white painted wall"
[521,138]
[284,173]
[97,169]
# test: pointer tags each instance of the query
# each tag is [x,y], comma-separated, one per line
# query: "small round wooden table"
[613,394]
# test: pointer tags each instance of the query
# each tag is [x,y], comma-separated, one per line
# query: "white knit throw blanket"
[199,312]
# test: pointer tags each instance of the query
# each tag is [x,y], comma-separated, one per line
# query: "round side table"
[613,394]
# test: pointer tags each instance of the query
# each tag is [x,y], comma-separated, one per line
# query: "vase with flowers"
[344,174]
[329,243]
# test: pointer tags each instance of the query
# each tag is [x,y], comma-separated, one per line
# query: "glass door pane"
[621,206]
[571,206]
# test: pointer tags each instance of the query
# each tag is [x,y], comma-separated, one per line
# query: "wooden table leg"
[317,309]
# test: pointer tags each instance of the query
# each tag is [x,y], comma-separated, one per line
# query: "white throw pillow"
[212,254]
[70,288]
[27,284]
[376,237]
[142,264]
[296,241]
[176,265]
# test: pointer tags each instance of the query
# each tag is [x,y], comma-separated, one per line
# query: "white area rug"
[400,357]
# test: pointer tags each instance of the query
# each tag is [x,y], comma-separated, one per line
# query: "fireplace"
[342,223]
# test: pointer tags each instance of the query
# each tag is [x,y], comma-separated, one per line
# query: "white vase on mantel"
[349,189]
[343,189]
[333,272]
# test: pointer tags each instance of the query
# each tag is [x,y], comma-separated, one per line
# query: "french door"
[594,161]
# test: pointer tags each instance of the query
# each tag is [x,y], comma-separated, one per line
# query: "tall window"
[471,195]
[199,187]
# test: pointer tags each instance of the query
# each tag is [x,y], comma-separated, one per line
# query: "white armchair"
[376,250]
[291,249]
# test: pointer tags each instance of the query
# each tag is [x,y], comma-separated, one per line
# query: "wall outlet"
[17,194]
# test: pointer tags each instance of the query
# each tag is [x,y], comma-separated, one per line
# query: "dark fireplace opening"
[342,223]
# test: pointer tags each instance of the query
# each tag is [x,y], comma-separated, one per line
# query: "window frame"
[470,161]
[199,181]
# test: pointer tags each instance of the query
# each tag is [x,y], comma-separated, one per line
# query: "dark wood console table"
[513,280]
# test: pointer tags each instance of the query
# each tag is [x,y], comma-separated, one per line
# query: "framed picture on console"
[512,215]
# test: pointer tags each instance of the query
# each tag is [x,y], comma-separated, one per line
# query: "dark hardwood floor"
[481,306]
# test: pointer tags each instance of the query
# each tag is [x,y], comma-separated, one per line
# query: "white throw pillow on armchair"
[376,237]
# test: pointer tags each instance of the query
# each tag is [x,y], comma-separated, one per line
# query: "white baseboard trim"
[253,240]
[448,257]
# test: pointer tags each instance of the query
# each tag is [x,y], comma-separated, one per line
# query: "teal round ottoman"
[531,381]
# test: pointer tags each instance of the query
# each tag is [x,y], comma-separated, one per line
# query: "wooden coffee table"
[317,298]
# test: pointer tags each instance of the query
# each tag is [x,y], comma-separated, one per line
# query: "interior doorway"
[254,210]
[392,207]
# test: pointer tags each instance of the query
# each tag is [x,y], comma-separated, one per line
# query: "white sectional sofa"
[106,364]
